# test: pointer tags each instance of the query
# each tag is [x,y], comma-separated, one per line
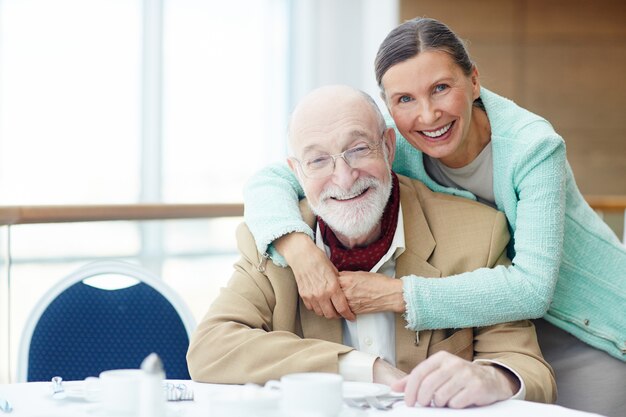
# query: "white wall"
[335,42]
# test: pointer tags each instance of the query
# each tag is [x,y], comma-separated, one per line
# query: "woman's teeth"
[438,132]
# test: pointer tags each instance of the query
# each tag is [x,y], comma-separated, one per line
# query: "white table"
[34,400]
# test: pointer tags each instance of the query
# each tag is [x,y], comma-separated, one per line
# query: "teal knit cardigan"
[567,265]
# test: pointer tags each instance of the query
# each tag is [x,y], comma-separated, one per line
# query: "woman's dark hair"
[417,35]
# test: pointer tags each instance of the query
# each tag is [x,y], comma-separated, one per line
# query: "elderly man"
[368,218]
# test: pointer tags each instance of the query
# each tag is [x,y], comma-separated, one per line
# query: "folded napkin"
[178,392]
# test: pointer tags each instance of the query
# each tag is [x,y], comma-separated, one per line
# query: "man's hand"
[368,292]
[315,275]
[445,380]
[385,373]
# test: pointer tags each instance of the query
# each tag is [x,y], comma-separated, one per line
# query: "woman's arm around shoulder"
[533,199]
[273,216]
[271,208]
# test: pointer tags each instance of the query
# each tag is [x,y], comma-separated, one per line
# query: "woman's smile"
[439,134]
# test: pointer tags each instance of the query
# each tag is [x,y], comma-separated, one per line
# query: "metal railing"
[14,215]
[607,203]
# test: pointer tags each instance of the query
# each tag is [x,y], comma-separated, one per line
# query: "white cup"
[314,394]
[120,391]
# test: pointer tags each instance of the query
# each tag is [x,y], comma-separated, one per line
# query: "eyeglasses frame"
[342,155]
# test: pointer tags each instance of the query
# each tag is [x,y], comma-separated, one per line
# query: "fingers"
[400,384]
[328,300]
[462,399]
[321,304]
[340,302]
[445,380]
[328,310]
[445,392]
[317,309]
[324,297]
[417,376]
[316,278]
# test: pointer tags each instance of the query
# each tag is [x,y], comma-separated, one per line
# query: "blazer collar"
[411,346]
[314,326]
[419,240]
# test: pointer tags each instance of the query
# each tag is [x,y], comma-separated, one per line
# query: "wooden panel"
[497,67]
[576,19]
[562,59]
[598,159]
[582,86]
[474,20]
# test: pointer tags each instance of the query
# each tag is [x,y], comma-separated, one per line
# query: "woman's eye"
[440,87]
[404,99]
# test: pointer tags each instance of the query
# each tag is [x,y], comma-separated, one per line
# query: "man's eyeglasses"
[323,165]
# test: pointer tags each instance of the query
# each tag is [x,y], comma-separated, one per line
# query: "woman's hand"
[316,276]
[368,292]
[445,380]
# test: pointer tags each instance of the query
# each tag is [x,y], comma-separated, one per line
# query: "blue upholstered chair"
[79,330]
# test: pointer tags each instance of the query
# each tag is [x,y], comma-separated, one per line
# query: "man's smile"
[352,196]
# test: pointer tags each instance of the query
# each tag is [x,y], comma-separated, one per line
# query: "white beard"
[354,219]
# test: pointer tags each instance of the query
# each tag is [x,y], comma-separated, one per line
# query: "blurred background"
[181,101]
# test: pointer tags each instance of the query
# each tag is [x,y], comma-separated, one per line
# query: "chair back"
[78,330]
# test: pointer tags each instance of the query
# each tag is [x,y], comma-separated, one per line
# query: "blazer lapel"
[412,348]
[419,240]
[314,326]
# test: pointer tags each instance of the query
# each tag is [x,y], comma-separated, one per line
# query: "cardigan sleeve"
[525,288]
[271,208]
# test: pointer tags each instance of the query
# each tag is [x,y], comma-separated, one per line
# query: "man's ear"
[389,141]
[294,168]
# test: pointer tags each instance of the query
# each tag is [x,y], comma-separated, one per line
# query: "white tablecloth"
[34,400]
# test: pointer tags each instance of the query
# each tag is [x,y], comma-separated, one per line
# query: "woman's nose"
[428,114]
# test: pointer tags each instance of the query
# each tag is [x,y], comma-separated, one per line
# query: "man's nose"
[343,175]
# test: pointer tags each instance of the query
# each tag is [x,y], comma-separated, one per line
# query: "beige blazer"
[258,328]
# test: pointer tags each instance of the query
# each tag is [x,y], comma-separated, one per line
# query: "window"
[69,101]
[126,101]
[71,75]
[176,101]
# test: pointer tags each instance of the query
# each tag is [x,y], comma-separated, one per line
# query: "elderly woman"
[460,138]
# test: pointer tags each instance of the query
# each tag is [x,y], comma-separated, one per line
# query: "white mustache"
[359,186]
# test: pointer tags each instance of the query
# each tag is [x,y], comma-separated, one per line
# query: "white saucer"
[360,390]
[99,411]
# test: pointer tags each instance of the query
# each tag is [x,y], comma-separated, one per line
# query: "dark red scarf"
[364,259]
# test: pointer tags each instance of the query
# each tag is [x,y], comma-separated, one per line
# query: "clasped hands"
[334,294]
